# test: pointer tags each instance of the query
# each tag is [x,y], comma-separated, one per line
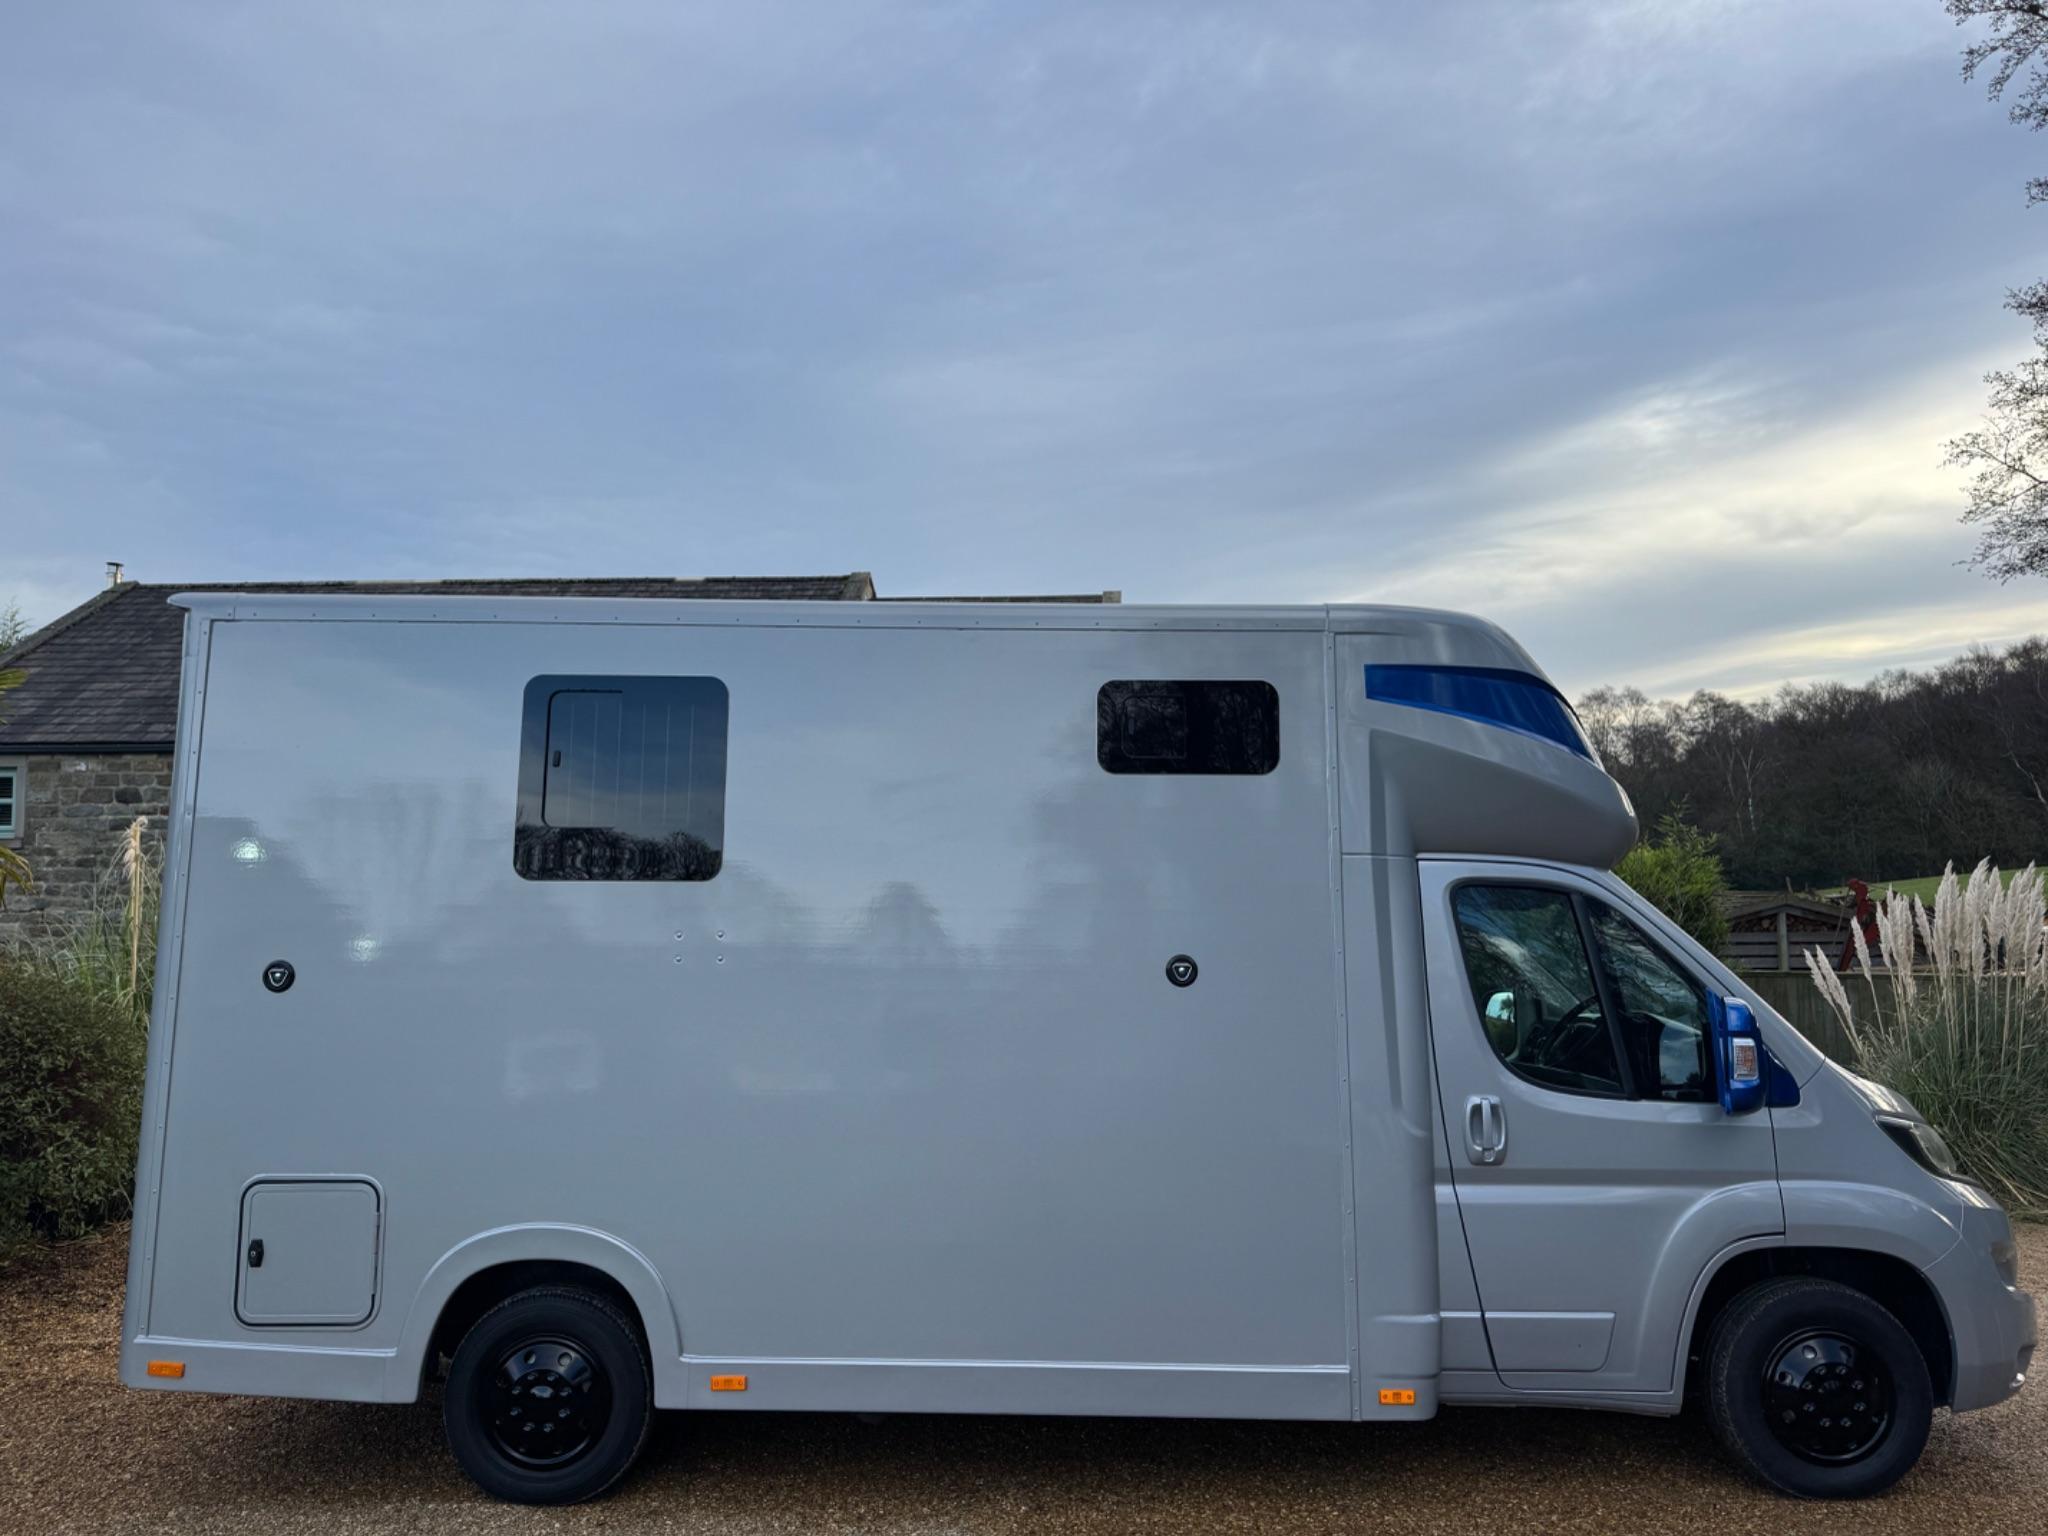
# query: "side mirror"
[1499,1020]
[1738,1055]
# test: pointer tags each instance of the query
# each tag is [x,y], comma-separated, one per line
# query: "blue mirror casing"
[1781,1088]
[1741,1063]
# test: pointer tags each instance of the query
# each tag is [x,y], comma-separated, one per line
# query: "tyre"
[549,1397]
[1817,1390]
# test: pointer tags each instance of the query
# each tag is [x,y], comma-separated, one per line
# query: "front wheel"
[549,1397]
[1817,1390]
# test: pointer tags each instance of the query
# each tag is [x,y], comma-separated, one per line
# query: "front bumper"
[1991,1320]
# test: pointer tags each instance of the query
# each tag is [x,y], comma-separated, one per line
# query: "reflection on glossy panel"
[906,1080]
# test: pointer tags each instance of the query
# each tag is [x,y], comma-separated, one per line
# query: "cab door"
[1595,1173]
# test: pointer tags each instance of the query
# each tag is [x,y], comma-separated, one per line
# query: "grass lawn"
[1923,887]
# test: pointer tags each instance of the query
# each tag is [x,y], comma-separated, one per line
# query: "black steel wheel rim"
[1827,1397]
[547,1402]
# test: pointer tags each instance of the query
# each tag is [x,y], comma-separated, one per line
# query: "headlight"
[1921,1142]
[2005,1258]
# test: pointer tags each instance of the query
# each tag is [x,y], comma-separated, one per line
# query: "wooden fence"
[1795,996]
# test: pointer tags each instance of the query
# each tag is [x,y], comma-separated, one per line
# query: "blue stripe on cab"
[1490,695]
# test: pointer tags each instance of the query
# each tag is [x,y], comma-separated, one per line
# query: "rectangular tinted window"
[1533,988]
[1187,726]
[1664,1025]
[622,778]
[6,800]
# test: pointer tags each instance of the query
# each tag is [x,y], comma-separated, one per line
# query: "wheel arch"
[1894,1282]
[482,1270]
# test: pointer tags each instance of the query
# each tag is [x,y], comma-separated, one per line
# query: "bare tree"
[1731,736]
[13,627]
[2007,458]
[1600,718]
[2011,697]
[2014,48]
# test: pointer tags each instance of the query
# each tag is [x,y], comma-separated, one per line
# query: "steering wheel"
[1576,1017]
[1572,1014]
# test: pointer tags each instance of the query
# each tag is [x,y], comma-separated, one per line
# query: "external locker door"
[309,1253]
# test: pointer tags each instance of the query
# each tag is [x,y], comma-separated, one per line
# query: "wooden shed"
[1772,930]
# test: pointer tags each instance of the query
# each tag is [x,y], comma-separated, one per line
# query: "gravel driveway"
[80,1453]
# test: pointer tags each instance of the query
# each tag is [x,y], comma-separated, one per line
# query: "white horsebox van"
[954,1008]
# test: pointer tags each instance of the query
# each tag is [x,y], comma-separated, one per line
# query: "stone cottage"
[85,747]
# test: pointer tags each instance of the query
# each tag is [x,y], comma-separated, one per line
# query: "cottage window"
[13,790]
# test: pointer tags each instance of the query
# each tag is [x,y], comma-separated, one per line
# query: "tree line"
[1885,780]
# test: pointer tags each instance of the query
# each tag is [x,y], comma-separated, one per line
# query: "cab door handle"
[1486,1130]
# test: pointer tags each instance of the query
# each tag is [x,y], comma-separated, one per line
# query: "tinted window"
[1533,985]
[622,778]
[1661,1010]
[1158,726]
[6,801]
[1514,700]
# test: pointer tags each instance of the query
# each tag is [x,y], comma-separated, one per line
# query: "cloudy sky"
[1636,326]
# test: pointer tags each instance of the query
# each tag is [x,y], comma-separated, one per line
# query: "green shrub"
[71,1063]
[1679,874]
[1959,1023]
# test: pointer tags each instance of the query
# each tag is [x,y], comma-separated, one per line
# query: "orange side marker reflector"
[171,1368]
[1397,1397]
[728,1383]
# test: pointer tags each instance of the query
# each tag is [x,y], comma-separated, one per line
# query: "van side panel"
[902,1095]
[1393,1123]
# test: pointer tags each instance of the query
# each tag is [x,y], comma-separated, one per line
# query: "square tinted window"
[1187,726]
[622,778]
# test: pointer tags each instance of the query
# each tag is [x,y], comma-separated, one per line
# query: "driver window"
[1664,1024]
[1534,987]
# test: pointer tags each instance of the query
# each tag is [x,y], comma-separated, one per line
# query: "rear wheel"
[1817,1390]
[549,1397]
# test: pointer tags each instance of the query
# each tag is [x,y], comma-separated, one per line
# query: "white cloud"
[1704,534]
[1854,649]
[1637,325]
[1704,471]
